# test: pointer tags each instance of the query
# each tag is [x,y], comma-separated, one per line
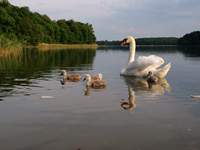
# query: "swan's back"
[143,65]
[145,61]
[162,72]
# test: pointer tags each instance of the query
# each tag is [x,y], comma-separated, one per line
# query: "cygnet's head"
[63,72]
[127,40]
[87,77]
[100,76]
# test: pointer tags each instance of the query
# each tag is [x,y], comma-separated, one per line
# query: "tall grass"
[9,42]
[45,46]
[9,46]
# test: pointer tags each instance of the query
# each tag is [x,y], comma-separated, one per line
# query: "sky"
[115,19]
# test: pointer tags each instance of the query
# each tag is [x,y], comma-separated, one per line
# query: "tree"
[34,27]
[192,38]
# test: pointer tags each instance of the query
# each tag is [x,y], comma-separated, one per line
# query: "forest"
[20,25]
[192,38]
[189,39]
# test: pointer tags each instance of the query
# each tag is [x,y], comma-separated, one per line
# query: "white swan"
[144,64]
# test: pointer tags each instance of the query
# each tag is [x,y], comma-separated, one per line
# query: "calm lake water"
[159,117]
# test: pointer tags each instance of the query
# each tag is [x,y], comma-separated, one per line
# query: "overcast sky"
[115,19]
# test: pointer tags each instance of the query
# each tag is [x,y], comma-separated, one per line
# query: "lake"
[127,115]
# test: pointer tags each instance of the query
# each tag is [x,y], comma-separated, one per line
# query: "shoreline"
[139,46]
[46,46]
[4,52]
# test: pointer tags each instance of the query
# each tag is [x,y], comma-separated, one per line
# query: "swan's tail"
[162,72]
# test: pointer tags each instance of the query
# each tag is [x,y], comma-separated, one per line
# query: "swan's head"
[127,40]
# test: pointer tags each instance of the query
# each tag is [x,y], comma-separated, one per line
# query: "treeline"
[192,38]
[145,41]
[20,24]
[107,43]
[157,41]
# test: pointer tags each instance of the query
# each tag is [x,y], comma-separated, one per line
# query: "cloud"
[113,19]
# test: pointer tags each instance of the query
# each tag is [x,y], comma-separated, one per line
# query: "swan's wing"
[151,60]
[146,62]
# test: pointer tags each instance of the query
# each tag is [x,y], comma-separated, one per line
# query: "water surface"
[159,117]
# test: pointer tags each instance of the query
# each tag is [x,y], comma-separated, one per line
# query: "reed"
[8,43]
[10,52]
[45,46]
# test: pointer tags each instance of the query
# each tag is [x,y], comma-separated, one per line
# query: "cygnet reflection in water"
[87,91]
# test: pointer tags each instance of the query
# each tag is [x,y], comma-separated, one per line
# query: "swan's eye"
[125,40]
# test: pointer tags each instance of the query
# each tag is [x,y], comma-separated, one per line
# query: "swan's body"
[144,64]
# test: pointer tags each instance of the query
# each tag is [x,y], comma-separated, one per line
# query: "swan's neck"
[132,48]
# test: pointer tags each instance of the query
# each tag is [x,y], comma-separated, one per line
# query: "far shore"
[138,46]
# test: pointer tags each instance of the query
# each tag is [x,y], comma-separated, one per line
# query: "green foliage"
[36,28]
[192,38]
[4,2]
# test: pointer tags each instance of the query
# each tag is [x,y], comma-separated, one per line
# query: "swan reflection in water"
[130,104]
[142,86]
